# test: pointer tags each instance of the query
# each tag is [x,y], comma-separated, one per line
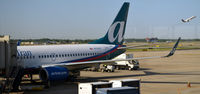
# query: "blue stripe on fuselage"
[92,56]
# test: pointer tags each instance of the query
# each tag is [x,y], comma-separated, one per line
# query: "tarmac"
[179,74]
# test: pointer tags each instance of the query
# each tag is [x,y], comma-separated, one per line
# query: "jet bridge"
[9,68]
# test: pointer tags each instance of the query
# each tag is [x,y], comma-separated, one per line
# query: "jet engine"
[54,73]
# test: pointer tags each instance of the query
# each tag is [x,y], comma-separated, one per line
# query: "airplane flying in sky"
[59,62]
[188,19]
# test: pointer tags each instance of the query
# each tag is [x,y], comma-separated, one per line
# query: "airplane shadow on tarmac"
[147,73]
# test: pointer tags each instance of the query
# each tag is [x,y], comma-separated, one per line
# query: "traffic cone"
[189,85]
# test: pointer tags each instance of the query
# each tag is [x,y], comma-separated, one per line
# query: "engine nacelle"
[55,73]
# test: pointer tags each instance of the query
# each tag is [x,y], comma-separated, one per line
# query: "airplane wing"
[70,65]
[128,47]
[141,47]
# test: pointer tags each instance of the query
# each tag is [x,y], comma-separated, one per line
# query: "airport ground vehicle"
[130,65]
[101,68]
[127,65]
[107,68]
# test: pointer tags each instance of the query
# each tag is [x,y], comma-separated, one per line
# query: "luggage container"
[90,88]
[126,82]
[118,90]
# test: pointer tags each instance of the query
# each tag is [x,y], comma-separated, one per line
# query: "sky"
[90,19]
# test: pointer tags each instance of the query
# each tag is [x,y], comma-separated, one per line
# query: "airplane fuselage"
[35,56]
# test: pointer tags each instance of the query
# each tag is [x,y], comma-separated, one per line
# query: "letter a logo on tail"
[119,34]
[115,34]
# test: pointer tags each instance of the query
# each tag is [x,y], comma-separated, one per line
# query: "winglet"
[174,48]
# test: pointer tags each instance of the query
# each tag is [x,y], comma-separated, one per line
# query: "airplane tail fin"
[115,34]
[19,42]
[183,20]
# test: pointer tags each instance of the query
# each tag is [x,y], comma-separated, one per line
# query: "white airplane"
[188,19]
[59,62]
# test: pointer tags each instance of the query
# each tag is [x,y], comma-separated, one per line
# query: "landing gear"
[18,80]
[73,75]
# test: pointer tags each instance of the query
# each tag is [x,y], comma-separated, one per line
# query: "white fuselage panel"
[35,56]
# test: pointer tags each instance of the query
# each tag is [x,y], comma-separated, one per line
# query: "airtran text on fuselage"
[24,53]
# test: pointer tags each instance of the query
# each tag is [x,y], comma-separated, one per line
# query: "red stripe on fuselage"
[94,58]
